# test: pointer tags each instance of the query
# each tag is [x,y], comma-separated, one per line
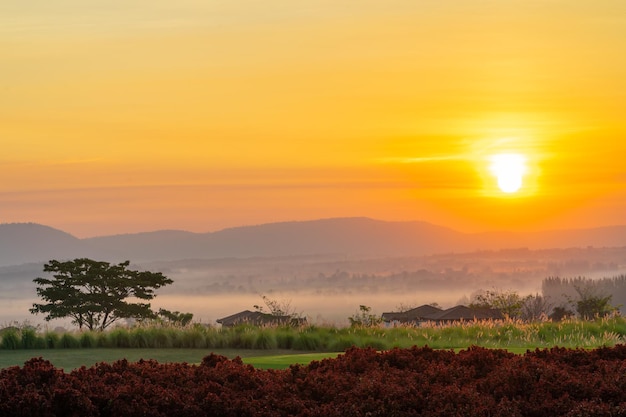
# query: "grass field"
[278,347]
[283,361]
[69,359]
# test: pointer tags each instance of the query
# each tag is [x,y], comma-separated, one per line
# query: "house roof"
[233,317]
[423,311]
[428,312]
[462,312]
[256,318]
[415,314]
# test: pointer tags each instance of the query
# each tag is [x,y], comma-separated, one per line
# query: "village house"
[413,316]
[257,318]
[428,313]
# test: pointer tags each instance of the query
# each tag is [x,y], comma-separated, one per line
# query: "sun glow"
[509,169]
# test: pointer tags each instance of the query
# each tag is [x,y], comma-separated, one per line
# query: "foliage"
[10,340]
[94,293]
[364,318]
[560,312]
[605,331]
[509,303]
[535,307]
[563,291]
[277,308]
[362,382]
[175,317]
[29,338]
[591,304]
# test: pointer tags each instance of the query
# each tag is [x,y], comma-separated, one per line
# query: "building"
[427,313]
[257,318]
[413,316]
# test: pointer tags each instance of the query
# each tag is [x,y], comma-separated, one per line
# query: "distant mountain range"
[34,243]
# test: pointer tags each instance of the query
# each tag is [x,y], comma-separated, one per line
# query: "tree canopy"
[96,294]
[509,303]
[591,304]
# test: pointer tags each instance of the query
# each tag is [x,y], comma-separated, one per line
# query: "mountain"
[28,242]
[354,236]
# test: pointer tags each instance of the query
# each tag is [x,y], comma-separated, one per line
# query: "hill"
[30,242]
[358,237]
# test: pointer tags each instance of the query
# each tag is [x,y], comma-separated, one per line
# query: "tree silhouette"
[94,294]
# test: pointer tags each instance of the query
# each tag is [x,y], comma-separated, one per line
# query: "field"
[281,371]
[605,331]
[69,359]
[278,347]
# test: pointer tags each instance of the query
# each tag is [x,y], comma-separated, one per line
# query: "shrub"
[265,339]
[374,343]
[68,341]
[102,341]
[87,340]
[40,343]
[306,341]
[119,338]
[341,343]
[160,338]
[52,340]
[213,339]
[29,337]
[193,338]
[285,338]
[11,340]
[140,338]
[476,382]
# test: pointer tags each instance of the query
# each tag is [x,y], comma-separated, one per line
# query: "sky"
[139,115]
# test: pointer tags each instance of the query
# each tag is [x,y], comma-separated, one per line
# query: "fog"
[328,289]
[318,308]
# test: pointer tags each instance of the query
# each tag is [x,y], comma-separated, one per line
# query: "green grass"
[190,344]
[284,361]
[69,359]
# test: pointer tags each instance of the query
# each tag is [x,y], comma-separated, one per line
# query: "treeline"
[362,382]
[566,291]
[580,297]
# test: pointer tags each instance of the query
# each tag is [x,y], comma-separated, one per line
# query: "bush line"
[418,382]
[607,331]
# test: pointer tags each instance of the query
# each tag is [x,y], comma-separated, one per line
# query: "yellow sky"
[125,116]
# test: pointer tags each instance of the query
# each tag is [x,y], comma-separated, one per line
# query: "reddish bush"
[362,382]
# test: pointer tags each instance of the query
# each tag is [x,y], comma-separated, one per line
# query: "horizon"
[478,116]
[310,221]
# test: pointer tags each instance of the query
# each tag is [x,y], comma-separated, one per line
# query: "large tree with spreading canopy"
[96,294]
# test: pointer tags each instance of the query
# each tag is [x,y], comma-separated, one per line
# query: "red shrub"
[362,382]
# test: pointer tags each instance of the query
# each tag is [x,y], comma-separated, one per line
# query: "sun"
[509,169]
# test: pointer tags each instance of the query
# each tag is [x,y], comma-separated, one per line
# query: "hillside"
[358,237]
[30,242]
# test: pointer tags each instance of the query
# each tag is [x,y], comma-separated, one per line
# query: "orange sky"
[126,116]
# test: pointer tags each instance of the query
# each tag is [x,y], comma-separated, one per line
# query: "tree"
[94,294]
[364,318]
[591,304]
[535,307]
[277,308]
[509,303]
[175,318]
[560,313]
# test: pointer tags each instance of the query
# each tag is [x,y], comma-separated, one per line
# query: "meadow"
[191,343]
